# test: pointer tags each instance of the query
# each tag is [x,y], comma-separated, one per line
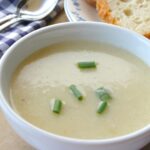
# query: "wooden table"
[8,138]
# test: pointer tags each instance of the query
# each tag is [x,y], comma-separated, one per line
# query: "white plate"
[79,10]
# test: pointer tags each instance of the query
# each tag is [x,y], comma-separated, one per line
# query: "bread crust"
[92,2]
[147,35]
[104,12]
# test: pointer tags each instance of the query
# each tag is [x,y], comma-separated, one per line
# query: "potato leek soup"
[83,90]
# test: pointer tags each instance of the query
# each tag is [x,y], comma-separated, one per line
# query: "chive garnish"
[76,92]
[103,94]
[86,64]
[102,106]
[56,108]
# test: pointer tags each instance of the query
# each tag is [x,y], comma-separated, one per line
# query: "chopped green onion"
[102,106]
[86,65]
[56,108]
[76,92]
[103,94]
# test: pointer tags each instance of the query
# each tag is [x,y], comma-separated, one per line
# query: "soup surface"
[48,73]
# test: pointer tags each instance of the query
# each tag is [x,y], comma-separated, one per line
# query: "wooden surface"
[8,138]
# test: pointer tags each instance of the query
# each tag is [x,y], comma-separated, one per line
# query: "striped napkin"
[16,31]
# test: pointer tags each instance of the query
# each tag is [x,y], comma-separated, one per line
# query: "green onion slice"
[86,64]
[76,92]
[57,105]
[103,94]
[102,106]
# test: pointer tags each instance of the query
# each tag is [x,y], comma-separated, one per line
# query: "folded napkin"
[16,31]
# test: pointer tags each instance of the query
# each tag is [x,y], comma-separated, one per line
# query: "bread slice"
[132,14]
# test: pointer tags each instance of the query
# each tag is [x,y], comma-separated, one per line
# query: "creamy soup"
[48,73]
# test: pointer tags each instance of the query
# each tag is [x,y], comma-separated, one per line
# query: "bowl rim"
[8,110]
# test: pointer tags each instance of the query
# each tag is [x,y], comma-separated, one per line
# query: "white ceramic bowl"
[41,139]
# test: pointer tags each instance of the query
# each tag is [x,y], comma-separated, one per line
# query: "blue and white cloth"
[15,32]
